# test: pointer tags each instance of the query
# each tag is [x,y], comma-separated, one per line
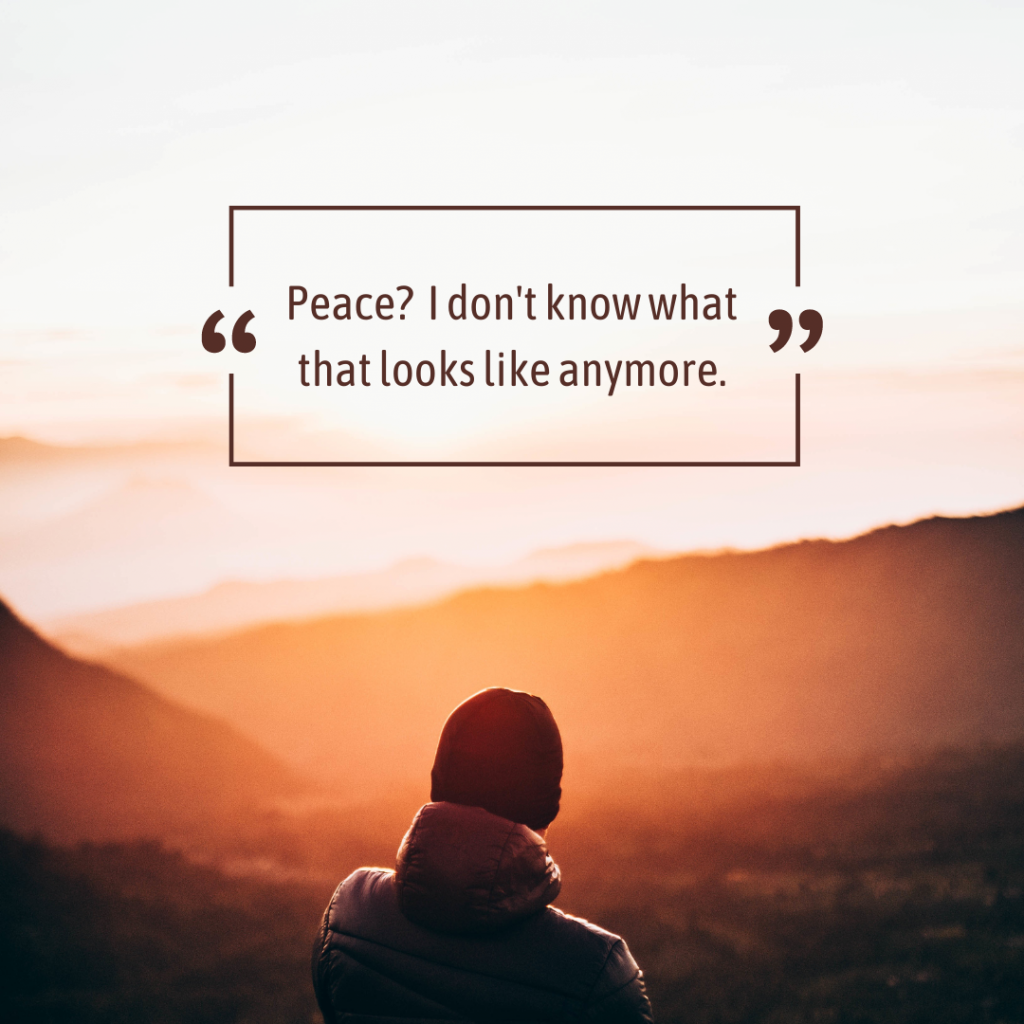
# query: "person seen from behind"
[463,928]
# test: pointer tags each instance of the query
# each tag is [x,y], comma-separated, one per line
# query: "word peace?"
[320,305]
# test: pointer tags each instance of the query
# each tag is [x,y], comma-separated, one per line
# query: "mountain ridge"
[905,637]
[237,604]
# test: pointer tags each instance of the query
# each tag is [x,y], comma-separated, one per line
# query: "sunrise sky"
[129,129]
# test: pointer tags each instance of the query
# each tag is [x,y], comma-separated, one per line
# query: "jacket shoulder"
[360,896]
[569,929]
[618,995]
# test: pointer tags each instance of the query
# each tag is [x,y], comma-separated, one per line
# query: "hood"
[464,870]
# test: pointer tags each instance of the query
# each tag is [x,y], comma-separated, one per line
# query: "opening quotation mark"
[810,320]
[243,341]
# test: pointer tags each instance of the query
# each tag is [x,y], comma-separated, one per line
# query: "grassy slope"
[895,896]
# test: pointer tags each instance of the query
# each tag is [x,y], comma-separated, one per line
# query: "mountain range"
[903,639]
[237,604]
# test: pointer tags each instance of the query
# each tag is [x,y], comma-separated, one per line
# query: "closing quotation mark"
[213,340]
[810,320]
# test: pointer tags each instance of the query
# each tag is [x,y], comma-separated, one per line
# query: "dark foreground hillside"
[135,933]
[892,894]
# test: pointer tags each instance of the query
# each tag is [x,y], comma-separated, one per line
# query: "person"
[463,928]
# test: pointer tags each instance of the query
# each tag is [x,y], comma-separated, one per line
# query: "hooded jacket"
[462,931]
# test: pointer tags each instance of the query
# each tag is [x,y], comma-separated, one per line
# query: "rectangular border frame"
[232,461]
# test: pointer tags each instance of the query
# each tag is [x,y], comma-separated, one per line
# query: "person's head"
[501,750]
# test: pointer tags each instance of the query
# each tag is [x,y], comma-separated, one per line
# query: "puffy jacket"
[462,931]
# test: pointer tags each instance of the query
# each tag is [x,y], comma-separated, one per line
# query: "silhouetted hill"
[904,638]
[88,753]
